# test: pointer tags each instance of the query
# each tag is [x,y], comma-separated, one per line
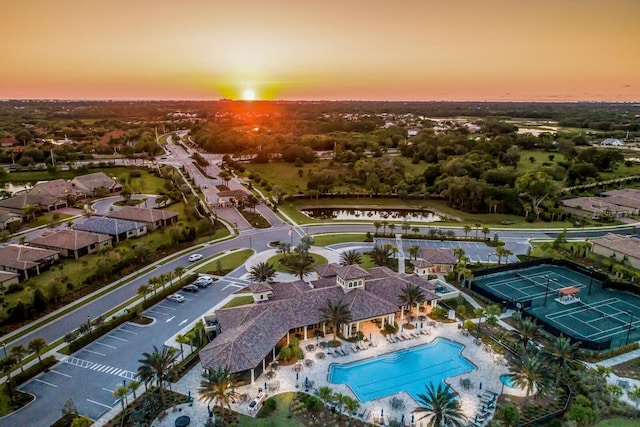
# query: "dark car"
[190,288]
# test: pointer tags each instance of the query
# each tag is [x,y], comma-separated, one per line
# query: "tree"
[508,414]
[528,373]
[81,421]
[6,367]
[30,212]
[182,339]
[536,187]
[325,393]
[414,251]
[467,229]
[121,393]
[440,406]
[262,272]
[36,346]
[350,257]
[217,386]
[69,412]
[405,227]
[392,228]
[486,231]
[133,386]
[336,313]
[411,294]
[39,301]
[18,351]
[144,290]
[526,330]
[501,251]
[377,225]
[179,271]
[300,265]
[381,255]
[478,226]
[561,353]
[155,366]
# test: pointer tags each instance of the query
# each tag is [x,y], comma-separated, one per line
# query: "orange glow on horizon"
[368,50]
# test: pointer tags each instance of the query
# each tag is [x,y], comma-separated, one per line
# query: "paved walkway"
[489,365]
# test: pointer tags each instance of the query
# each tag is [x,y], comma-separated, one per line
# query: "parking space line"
[127,331]
[98,403]
[107,390]
[44,382]
[93,352]
[106,345]
[60,373]
[154,311]
[117,338]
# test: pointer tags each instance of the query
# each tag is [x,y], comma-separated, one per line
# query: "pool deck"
[489,368]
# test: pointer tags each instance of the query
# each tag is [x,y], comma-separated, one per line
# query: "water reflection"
[372,214]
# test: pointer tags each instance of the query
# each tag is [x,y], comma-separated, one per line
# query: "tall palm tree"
[133,386]
[478,225]
[526,330]
[380,255]
[411,294]
[144,290]
[414,251]
[377,225]
[459,253]
[350,257]
[155,366]
[441,406]
[336,313]
[121,393]
[486,231]
[36,345]
[500,252]
[467,229]
[262,272]
[392,228]
[217,386]
[384,227]
[561,353]
[405,227]
[182,339]
[179,271]
[19,351]
[529,373]
[300,265]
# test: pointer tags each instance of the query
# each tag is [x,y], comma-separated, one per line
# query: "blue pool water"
[407,370]
[508,381]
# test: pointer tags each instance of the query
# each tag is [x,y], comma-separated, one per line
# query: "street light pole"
[629,329]
[4,347]
[546,292]
[590,279]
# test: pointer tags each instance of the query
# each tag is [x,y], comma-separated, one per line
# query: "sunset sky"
[349,49]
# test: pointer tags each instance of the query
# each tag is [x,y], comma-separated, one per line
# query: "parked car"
[195,257]
[176,298]
[203,281]
[190,288]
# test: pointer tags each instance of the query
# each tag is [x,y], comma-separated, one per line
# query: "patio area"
[311,372]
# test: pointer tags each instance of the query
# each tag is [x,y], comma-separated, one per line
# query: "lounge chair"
[345,351]
[391,339]
[354,348]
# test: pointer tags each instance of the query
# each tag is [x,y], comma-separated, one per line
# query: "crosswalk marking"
[99,367]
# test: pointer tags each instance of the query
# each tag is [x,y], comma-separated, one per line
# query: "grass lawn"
[286,174]
[275,261]
[525,165]
[227,262]
[332,239]
[619,422]
[47,218]
[367,262]
[239,300]
[281,417]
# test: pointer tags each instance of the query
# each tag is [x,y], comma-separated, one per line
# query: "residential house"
[249,334]
[595,208]
[7,279]
[153,218]
[621,248]
[72,243]
[8,217]
[118,229]
[44,196]
[91,184]
[228,198]
[434,261]
[26,261]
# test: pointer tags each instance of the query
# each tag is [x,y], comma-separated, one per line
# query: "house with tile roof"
[595,207]
[7,279]
[154,218]
[71,243]
[619,247]
[26,261]
[8,217]
[93,183]
[249,335]
[45,196]
[435,261]
[118,229]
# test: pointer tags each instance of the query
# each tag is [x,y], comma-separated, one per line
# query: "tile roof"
[593,204]
[327,270]
[147,215]
[626,245]
[624,201]
[350,272]
[94,181]
[438,256]
[625,192]
[7,275]
[54,190]
[22,257]
[232,193]
[68,239]
[250,332]
[260,287]
[110,226]
[6,214]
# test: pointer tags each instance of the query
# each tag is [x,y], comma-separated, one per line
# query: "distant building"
[118,229]
[93,182]
[26,261]
[7,217]
[613,142]
[435,262]
[45,196]
[621,248]
[595,207]
[153,218]
[72,243]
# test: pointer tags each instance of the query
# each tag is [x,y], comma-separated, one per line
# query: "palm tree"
[300,265]
[441,406]
[217,386]
[179,271]
[336,313]
[526,330]
[486,231]
[29,212]
[36,346]
[411,294]
[350,257]
[459,253]
[528,373]
[182,339]
[262,272]
[500,252]
[405,227]
[380,255]
[377,225]
[384,227]
[561,353]
[155,366]
[392,228]
[415,230]
[18,351]
[144,290]
[478,225]
[414,251]
[325,393]
[467,229]
[133,386]
[121,393]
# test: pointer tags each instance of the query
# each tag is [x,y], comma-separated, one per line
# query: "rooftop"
[68,239]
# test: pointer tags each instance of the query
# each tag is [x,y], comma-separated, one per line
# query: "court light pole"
[546,292]
[590,279]
[629,329]
[4,347]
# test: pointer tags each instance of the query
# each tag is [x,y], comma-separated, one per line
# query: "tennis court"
[598,317]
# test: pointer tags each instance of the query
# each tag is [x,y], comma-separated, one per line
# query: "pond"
[419,215]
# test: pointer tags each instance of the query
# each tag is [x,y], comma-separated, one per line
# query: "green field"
[332,239]
[525,165]
[619,422]
[227,262]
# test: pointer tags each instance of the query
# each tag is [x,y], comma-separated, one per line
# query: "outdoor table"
[183,421]
[320,355]
[323,344]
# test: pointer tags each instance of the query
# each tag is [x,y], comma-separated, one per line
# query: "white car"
[176,298]
[195,257]
[203,281]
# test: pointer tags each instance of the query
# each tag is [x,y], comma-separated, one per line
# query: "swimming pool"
[407,370]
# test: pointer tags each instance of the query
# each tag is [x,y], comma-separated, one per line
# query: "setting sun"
[249,95]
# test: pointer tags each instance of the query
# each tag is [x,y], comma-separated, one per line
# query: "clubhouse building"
[249,336]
